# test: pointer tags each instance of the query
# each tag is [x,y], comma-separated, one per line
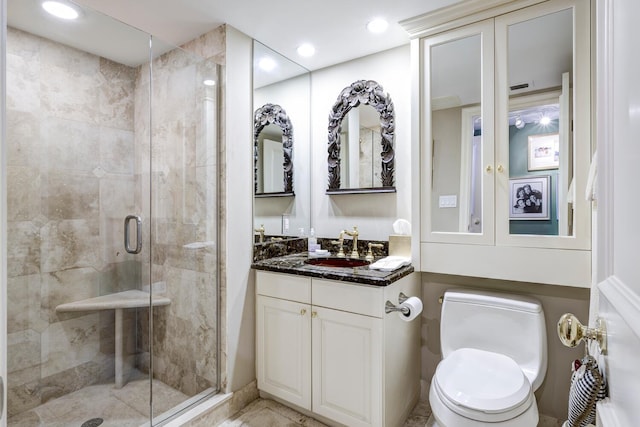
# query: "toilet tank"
[512,325]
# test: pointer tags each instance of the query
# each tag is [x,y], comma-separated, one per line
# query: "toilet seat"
[482,385]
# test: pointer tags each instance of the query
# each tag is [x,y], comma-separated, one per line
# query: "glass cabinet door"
[457,135]
[542,126]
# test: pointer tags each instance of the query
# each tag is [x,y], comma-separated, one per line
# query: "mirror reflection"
[361,144]
[270,175]
[273,151]
[456,127]
[540,75]
[280,210]
[361,133]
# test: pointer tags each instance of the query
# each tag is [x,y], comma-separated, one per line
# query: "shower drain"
[93,422]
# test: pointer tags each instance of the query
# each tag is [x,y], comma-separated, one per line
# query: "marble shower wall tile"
[23,303]
[116,105]
[71,181]
[23,205]
[23,139]
[23,251]
[184,154]
[66,286]
[70,343]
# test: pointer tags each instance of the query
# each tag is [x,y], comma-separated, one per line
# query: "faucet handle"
[369,257]
[341,251]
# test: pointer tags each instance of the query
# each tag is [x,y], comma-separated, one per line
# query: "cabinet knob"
[303,312]
[500,168]
[489,168]
[314,314]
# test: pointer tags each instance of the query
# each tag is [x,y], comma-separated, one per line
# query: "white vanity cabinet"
[502,139]
[328,348]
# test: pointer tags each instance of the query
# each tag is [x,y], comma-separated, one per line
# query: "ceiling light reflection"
[61,10]
[306,50]
[267,64]
[377,25]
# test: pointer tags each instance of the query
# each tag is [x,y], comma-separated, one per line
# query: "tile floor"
[268,413]
[128,407]
[125,407]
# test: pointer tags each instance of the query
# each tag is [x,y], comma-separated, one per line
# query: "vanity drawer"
[284,286]
[360,299]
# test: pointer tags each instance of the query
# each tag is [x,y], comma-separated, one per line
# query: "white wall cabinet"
[329,349]
[487,82]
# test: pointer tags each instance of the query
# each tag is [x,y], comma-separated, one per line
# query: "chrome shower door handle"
[127,243]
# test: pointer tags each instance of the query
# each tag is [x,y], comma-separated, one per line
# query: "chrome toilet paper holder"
[390,307]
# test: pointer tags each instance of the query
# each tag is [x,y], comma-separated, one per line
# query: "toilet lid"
[478,380]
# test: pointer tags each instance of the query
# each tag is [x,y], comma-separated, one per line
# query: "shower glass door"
[111,135]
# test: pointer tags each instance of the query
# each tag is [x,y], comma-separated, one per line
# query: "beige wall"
[552,396]
[446,167]
[373,214]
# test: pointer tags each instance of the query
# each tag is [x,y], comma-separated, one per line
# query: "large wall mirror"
[361,127]
[281,105]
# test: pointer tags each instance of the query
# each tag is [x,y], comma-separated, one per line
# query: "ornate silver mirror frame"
[264,116]
[367,92]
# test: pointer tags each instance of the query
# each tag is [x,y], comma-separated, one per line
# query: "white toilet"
[494,350]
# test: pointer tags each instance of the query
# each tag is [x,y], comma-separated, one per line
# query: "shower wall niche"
[90,141]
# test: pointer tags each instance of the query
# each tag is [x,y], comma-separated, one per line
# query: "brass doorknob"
[500,168]
[571,331]
[489,168]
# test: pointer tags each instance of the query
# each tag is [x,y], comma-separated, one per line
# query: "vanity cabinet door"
[347,367]
[283,341]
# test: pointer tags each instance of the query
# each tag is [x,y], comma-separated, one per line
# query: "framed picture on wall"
[544,151]
[529,197]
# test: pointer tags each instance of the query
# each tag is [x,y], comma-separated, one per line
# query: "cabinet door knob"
[489,168]
[314,314]
[303,312]
[500,168]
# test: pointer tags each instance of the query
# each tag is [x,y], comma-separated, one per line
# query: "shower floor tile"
[125,407]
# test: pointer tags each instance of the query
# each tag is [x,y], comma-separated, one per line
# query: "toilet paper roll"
[414,304]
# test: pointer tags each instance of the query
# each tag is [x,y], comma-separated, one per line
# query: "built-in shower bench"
[118,302]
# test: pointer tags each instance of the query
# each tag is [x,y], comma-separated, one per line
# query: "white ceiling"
[335,27]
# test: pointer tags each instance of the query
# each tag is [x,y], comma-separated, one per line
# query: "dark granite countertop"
[295,264]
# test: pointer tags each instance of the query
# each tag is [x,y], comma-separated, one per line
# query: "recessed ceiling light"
[61,10]
[209,82]
[306,50]
[267,63]
[377,25]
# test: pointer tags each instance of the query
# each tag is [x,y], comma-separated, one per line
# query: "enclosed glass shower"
[112,223]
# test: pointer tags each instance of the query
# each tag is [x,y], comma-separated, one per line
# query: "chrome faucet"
[261,231]
[340,241]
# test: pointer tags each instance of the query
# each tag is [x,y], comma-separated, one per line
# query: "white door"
[347,367]
[283,341]
[618,259]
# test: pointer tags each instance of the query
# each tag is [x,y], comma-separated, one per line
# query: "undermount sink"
[337,262]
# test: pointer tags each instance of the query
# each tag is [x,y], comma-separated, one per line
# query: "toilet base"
[442,416]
